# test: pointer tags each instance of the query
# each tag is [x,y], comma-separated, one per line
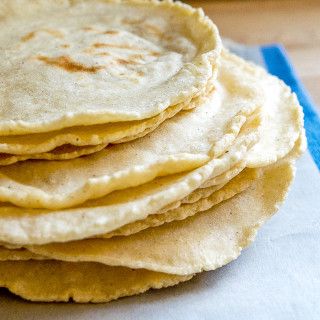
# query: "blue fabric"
[278,64]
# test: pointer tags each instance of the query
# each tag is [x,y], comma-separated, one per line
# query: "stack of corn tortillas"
[135,150]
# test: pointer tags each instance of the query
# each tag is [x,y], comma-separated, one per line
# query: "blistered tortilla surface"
[69,63]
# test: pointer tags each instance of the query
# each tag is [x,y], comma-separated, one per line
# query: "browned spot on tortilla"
[125,62]
[111,32]
[132,21]
[66,63]
[137,56]
[167,37]
[65,45]
[104,54]
[155,53]
[54,33]
[152,29]
[117,46]
[28,36]
[31,35]
[99,45]
[88,50]
[140,73]
[88,29]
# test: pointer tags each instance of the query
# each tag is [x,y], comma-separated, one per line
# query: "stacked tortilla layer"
[78,76]
[184,197]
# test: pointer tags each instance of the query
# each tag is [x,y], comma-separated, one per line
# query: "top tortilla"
[69,63]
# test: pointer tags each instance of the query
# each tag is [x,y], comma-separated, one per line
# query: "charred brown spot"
[152,29]
[116,46]
[137,56]
[66,63]
[54,33]
[140,73]
[88,29]
[167,37]
[125,62]
[155,53]
[28,36]
[88,50]
[65,46]
[131,21]
[31,35]
[99,45]
[103,54]
[110,32]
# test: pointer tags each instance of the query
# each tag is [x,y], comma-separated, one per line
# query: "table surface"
[294,23]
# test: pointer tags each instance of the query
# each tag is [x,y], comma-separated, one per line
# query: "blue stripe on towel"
[278,64]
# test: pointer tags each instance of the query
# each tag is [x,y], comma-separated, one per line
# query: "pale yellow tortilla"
[99,216]
[204,241]
[18,254]
[195,136]
[64,152]
[176,211]
[231,182]
[79,282]
[206,131]
[37,146]
[173,212]
[27,226]
[198,201]
[78,64]
[282,117]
